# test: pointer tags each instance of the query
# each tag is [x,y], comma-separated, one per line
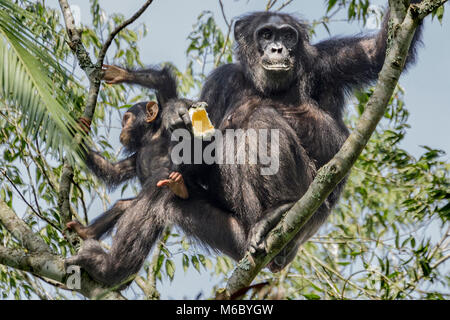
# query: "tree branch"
[44,264]
[51,266]
[423,9]
[333,172]
[75,42]
[64,193]
[41,261]
[21,231]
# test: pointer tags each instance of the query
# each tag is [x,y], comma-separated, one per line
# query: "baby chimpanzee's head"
[137,121]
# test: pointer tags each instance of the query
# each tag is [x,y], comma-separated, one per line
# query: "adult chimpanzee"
[280,81]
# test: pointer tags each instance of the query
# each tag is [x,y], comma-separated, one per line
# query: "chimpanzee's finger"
[184,114]
[187,122]
[174,124]
[163,183]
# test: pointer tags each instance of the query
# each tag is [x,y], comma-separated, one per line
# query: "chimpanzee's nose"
[276,48]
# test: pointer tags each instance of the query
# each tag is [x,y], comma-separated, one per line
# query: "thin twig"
[19,192]
[284,5]
[224,15]
[33,189]
[225,44]
[119,28]
[270,4]
[83,203]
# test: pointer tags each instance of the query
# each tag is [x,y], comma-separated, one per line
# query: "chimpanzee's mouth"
[124,139]
[278,66]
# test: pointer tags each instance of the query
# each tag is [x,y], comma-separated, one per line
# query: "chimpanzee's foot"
[175,184]
[260,231]
[284,257]
[78,228]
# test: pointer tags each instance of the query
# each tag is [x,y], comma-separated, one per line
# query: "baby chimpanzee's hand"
[178,118]
[113,74]
[175,184]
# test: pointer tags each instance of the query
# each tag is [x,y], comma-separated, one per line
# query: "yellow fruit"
[201,124]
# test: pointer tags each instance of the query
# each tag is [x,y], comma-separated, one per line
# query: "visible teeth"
[277,66]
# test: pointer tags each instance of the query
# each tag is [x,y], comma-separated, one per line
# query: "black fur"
[231,207]
[305,102]
[140,220]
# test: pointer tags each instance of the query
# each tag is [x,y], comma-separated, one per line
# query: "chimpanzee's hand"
[178,118]
[113,74]
[261,229]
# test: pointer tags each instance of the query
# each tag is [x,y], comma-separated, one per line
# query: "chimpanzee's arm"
[161,80]
[345,63]
[112,174]
[103,223]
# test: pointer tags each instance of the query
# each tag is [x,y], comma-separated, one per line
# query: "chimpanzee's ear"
[239,26]
[152,111]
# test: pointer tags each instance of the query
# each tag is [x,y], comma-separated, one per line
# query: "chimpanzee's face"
[268,47]
[276,42]
[136,122]
[131,120]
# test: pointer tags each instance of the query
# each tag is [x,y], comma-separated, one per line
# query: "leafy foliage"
[387,239]
[27,82]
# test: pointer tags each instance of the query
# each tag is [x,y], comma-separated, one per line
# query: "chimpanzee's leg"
[141,225]
[102,224]
[258,200]
[206,222]
[137,231]
[138,228]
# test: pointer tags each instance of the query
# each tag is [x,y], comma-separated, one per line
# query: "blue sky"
[427,84]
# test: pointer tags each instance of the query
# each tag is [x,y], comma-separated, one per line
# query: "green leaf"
[185,262]
[170,269]
[26,72]
[196,263]
[331,4]
[311,296]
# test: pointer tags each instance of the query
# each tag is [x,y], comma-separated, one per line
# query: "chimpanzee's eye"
[289,36]
[266,34]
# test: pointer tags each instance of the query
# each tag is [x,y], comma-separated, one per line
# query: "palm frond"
[26,73]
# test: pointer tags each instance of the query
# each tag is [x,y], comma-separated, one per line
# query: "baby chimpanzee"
[145,136]
[148,144]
